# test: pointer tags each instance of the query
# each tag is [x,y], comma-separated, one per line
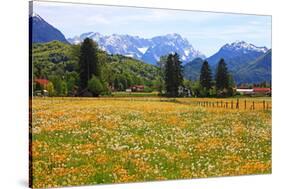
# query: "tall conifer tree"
[88,62]
[222,78]
[173,75]
[206,76]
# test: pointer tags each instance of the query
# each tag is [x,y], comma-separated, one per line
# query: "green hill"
[59,60]
[52,58]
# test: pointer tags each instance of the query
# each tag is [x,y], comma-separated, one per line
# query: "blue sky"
[206,31]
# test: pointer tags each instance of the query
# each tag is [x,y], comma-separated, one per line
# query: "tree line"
[89,74]
[175,85]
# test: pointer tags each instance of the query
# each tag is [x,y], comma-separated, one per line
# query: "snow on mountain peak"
[34,15]
[244,46]
[147,50]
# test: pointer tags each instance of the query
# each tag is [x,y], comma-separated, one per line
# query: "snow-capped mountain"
[237,53]
[243,47]
[147,50]
[42,31]
[238,56]
[163,45]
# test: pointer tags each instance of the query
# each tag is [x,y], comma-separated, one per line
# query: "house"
[254,91]
[262,91]
[245,91]
[41,91]
[128,90]
[42,82]
[137,88]
[183,91]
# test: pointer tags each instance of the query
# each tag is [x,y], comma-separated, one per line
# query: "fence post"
[221,103]
[226,104]
[237,104]
[263,105]
[253,105]
[245,104]
[231,104]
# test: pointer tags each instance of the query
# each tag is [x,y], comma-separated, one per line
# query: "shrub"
[147,89]
[50,89]
[95,86]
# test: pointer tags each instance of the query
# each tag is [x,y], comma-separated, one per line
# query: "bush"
[50,89]
[95,86]
[147,89]
[63,88]
[106,91]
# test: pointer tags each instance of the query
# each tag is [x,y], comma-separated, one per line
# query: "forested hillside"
[58,62]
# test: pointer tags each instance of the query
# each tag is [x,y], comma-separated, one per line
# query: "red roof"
[262,89]
[42,81]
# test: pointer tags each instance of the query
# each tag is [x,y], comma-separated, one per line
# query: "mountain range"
[239,56]
[148,50]
[247,62]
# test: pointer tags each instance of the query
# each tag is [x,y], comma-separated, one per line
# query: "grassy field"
[90,141]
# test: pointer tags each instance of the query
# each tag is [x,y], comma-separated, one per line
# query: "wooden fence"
[237,104]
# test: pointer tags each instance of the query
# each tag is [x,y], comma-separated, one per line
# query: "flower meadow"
[84,141]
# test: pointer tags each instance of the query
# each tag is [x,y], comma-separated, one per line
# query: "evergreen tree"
[173,75]
[178,71]
[169,76]
[206,76]
[222,77]
[88,62]
[231,85]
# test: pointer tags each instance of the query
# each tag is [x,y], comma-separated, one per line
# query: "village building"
[262,91]
[254,91]
[244,91]
[128,90]
[137,88]
[43,84]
